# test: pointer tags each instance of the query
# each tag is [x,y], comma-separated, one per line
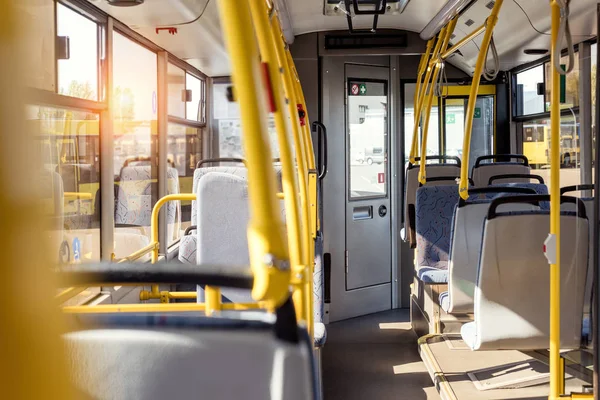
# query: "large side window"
[135,140]
[78,63]
[529,100]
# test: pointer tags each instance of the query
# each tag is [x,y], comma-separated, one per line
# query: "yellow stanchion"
[268,50]
[32,361]
[435,65]
[267,245]
[419,105]
[490,23]
[555,370]
[423,66]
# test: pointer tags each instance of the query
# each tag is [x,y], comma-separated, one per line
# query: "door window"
[367,138]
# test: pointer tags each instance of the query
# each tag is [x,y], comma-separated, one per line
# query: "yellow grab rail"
[269,258]
[268,51]
[419,105]
[434,64]
[423,66]
[555,371]
[490,23]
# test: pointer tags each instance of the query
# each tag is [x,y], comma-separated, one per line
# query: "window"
[78,75]
[537,149]
[594,55]
[176,89]
[184,152]
[529,101]
[135,141]
[433,136]
[226,116]
[67,142]
[39,20]
[193,107]
[569,97]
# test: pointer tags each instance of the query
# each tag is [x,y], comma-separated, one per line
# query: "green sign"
[477,112]
[362,89]
[450,118]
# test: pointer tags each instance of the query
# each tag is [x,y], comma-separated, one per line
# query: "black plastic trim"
[535,200]
[511,176]
[496,156]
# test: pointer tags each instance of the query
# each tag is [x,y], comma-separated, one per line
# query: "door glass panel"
[367,138]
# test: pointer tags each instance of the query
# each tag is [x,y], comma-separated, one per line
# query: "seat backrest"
[410,192]
[482,171]
[434,213]
[173,356]
[512,294]
[134,198]
[222,218]
[465,244]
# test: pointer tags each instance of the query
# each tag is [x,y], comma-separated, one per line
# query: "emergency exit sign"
[477,112]
[450,118]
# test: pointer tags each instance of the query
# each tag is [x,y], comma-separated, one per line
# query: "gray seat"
[186,355]
[412,184]
[512,294]
[482,171]
[189,243]
[465,244]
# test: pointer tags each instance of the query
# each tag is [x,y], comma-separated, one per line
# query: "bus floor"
[374,357]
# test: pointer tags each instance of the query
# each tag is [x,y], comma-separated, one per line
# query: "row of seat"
[488,250]
[447,170]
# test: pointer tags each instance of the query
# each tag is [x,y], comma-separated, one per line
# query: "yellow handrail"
[268,50]
[154,307]
[555,373]
[434,64]
[490,23]
[78,195]
[425,86]
[269,258]
[423,66]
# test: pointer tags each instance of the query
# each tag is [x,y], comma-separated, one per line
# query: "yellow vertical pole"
[423,66]
[266,232]
[32,361]
[555,377]
[303,164]
[213,300]
[419,105]
[490,23]
[429,96]
[268,52]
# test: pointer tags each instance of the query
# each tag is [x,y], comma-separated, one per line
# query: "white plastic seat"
[465,244]
[482,172]
[513,283]
[186,355]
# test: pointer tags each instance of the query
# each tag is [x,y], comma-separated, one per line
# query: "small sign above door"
[358,89]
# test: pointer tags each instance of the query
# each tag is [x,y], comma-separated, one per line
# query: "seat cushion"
[445,301]
[320,334]
[432,275]
[187,249]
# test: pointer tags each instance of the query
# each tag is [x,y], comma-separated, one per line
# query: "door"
[368,221]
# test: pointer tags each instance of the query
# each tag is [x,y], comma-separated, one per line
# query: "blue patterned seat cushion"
[434,215]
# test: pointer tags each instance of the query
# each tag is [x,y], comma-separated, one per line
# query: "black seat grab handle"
[513,176]
[219,160]
[495,189]
[445,178]
[535,200]
[322,153]
[496,156]
[575,188]
[441,157]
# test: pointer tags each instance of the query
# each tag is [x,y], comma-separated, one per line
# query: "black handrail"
[218,160]
[103,274]
[189,229]
[516,176]
[575,188]
[496,156]
[496,189]
[322,153]
[535,200]
[441,158]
